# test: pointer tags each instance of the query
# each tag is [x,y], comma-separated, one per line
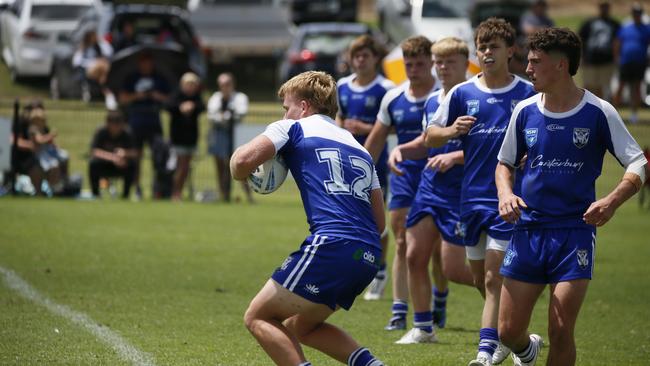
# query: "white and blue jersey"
[362,103]
[492,109]
[565,156]
[334,174]
[438,194]
[400,110]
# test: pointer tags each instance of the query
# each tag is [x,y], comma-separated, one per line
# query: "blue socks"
[489,340]
[400,309]
[440,307]
[362,357]
[424,321]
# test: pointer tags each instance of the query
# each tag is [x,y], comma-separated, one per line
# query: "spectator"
[631,50]
[92,59]
[143,95]
[536,18]
[598,35]
[226,108]
[25,161]
[125,37]
[113,154]
[52,160]
[185,108]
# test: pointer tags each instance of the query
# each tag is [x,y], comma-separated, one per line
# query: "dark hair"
[416,46]
[114,116]
[560,40]
[366,42]
[492,28]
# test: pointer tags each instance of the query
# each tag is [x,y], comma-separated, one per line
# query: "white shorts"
[477,252]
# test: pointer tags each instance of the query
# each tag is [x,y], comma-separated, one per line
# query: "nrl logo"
[580,137]
[472,107]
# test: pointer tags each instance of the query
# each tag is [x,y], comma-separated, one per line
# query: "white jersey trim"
[384,116]
[379,79]
[508,151]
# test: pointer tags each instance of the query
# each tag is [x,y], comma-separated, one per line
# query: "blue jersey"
[492,109]
[334,174]
[436,188]
[361,102]
[635,39]
[565,156]
[399,109]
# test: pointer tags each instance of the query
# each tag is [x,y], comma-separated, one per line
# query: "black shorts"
[632,71]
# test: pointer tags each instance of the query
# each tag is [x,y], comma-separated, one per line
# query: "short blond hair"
[316,87]
[190,77]
[416,46]
[449,46]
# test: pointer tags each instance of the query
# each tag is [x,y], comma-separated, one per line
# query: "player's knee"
[250,320]
[400,247]
[416,261]
[493,282]
[559,332]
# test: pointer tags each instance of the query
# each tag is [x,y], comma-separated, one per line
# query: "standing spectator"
[92,59]
[631,48]
[143,95]
[185,108]
[113,154]
[536,18]
[598,35]
[125,37]
[226,108]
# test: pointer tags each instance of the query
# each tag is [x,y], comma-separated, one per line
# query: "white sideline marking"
[112,339]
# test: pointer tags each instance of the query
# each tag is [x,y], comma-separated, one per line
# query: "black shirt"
[598,36]
[104,141]
[184,129]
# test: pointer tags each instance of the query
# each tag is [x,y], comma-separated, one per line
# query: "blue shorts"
[329,270]
[550,255]
[446,220]
[403,188]
[474,222]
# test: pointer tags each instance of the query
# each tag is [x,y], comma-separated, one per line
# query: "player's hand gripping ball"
[269,176]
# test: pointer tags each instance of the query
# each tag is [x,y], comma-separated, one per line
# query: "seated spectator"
[112,154]
[92,58]
[24,161]
[185,107]
[52,159]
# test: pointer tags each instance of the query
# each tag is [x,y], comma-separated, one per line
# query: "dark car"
[319,46]
[305,11]
[157,26]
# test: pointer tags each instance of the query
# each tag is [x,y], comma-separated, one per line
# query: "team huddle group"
[493,182]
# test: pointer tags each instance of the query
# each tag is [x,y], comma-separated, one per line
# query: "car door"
[11,30]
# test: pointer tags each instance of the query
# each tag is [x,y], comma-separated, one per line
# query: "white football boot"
[500,354]
[537,342]
[417,335]
[482,359]
[376,288]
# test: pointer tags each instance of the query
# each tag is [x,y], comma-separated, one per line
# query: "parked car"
[400,19]
[319,46]
[306,11]
[159,27]
[32,29]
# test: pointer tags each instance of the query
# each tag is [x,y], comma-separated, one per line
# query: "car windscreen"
[155,29]
[58,12]
[445,8]
[328,43]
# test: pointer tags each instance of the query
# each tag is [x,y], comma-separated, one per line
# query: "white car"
[32,29]
[435,19]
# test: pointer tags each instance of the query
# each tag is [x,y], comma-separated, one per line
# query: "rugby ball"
[269,176]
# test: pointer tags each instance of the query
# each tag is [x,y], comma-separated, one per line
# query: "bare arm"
[250,155]
[444,162]
[509,203]
[411,150]
[601,211]
[377,204]
[377,139]
[104,155]
[436,136]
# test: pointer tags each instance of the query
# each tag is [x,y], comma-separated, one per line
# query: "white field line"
[125,350]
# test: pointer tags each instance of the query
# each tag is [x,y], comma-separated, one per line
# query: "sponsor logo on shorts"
[460,230]
[510,255]
[286,263]
[312,289]
[583,258]
[366,256]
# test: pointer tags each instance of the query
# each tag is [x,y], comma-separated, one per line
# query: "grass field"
[174,280]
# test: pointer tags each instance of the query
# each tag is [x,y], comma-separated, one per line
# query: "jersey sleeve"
[375,180]
[513,147]
[383,116]
[621,144]
[278,133]
[447,112]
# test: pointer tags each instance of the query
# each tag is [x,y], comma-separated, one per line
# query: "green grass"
[175,279]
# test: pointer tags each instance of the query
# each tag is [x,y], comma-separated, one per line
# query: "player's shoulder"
[385,83]
[395,93]
[608,110]
[322,126]
[345,80]
[530,102]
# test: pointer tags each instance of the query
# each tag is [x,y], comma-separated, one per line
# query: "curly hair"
[416,46]
[316,87]
[492,28]
[558,40]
